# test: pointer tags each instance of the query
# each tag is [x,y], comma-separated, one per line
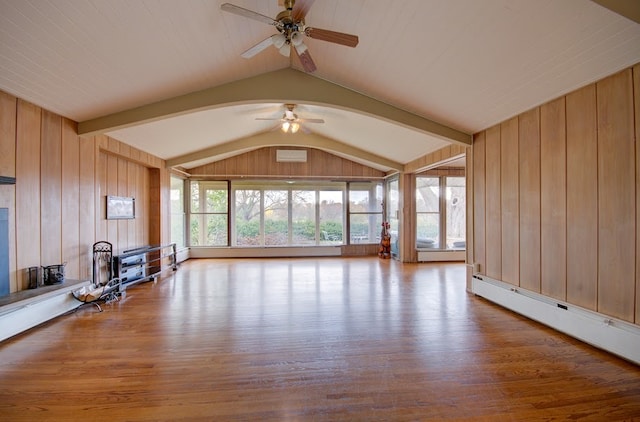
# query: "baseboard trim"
[604,332]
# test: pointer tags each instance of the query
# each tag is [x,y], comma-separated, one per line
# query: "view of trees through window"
[177,212]
[208,217]
[440,212]
[283,214]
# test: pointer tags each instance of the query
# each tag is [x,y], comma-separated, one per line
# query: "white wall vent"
[291,156]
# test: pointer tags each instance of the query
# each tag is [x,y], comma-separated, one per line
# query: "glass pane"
[303,218]
[247,219]
[365,197]
[393,195]
[195,222]
[331,212]
[209,197]
[365,228]
[177,195]
[427,230]
[276,217]
[217,234]
[456,212]
[177,212]
[427,194]
[195,197]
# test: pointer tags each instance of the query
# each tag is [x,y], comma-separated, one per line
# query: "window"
[428,212]
[456,212]
[208,220]
[247,213]
[393,210]
[331,216]
[365,212]
[287,214]
[178,216]
[440,212]
[303,217]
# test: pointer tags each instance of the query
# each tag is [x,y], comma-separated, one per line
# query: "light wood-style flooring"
[356,339]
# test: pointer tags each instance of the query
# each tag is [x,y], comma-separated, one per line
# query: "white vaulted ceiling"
[465,64]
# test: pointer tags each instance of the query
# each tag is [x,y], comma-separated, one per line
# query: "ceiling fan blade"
[332,36]
[301,8]
[305,58]
[257,48]
[237,10]
[266,118]
[311,120]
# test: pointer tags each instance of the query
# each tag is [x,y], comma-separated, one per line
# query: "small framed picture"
[121,208]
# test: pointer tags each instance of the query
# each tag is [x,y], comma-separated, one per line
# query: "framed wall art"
[121,208]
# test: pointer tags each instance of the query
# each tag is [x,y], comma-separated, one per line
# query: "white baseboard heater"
[616,336]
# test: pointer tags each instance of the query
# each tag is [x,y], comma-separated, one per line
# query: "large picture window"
[440,212]
[277,213]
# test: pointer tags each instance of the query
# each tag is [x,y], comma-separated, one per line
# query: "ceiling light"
[296,38]
[300,48]
[278,40]
[285,50]
[294,127]
[285,126]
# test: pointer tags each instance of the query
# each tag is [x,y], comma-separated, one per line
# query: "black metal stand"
[105,287]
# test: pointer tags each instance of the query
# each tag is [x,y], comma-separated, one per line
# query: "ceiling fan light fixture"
[300,48]
[278,40]
[296,38]
[294,127]
[285,49]
[285,126]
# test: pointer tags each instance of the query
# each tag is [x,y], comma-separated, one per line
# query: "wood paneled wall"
[556,207]
[262,162]
[57,206]
[443,154]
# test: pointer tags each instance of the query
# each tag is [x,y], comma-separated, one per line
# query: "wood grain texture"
[616,197]
[70,199]
[582,198]
[553,197]
[112,189]
[262,162]
[122,190]
[100,194]
[8,105]
[153,204]
[636,96]
[479,201]
[509,201]
[51,189]
[87,218]
[493,204]
[27,188]
[529,172]
[358,339]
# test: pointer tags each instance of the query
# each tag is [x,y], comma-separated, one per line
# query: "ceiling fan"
[290,122]
[291,28]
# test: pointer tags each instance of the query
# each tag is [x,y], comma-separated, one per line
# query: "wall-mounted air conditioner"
[291,156]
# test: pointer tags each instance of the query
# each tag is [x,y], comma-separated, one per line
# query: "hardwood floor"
[358,339]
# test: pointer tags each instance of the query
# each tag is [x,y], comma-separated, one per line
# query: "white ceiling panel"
[467,64]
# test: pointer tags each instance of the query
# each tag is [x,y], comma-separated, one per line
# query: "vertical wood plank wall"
[553,216]
[509,200]
[57,206]
[529,181]
[577,174]
[582,198]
